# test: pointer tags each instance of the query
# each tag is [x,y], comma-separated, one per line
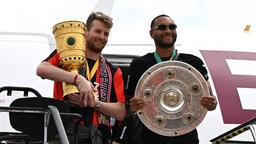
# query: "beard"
[95,49]
[162,44]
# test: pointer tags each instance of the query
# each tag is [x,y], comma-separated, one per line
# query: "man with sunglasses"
[102,115]
[133,131]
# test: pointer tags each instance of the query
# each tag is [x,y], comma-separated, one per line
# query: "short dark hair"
[99,16]
[153,21]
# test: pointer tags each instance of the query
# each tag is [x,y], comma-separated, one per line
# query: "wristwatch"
[97,106]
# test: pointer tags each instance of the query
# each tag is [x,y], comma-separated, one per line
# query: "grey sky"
[129,15]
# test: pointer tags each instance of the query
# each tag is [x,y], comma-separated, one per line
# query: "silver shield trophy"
[172,90]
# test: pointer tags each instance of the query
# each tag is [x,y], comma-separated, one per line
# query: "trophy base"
[69,89]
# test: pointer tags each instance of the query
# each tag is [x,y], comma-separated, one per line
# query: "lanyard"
[93,71]
[158,59]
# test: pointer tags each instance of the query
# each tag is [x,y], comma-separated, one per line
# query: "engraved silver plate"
[172,90]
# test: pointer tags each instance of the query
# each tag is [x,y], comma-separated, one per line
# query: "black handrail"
[9,90]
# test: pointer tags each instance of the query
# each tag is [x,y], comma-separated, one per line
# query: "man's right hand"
[136,104]
[86,96]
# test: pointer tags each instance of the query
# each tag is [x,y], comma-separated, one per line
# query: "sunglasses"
[163,27]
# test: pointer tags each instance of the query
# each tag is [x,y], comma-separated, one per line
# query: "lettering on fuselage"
[226,84]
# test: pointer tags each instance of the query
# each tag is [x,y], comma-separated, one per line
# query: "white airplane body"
[230,63]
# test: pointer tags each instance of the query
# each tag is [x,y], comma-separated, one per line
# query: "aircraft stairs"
[226,137]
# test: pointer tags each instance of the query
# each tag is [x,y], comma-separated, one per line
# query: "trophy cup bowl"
[70,37]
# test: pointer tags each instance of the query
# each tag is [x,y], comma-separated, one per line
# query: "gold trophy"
[70,37]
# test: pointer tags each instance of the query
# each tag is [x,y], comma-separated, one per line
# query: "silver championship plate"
[172,90]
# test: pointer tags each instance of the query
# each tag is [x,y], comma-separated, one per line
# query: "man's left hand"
[208,102]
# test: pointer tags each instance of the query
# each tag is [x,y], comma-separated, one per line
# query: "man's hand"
[73,100]
[86,90]
[136,104]
[208,102]
[86,96]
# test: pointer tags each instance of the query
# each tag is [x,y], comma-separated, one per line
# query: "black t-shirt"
[136,70]
[141,64]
